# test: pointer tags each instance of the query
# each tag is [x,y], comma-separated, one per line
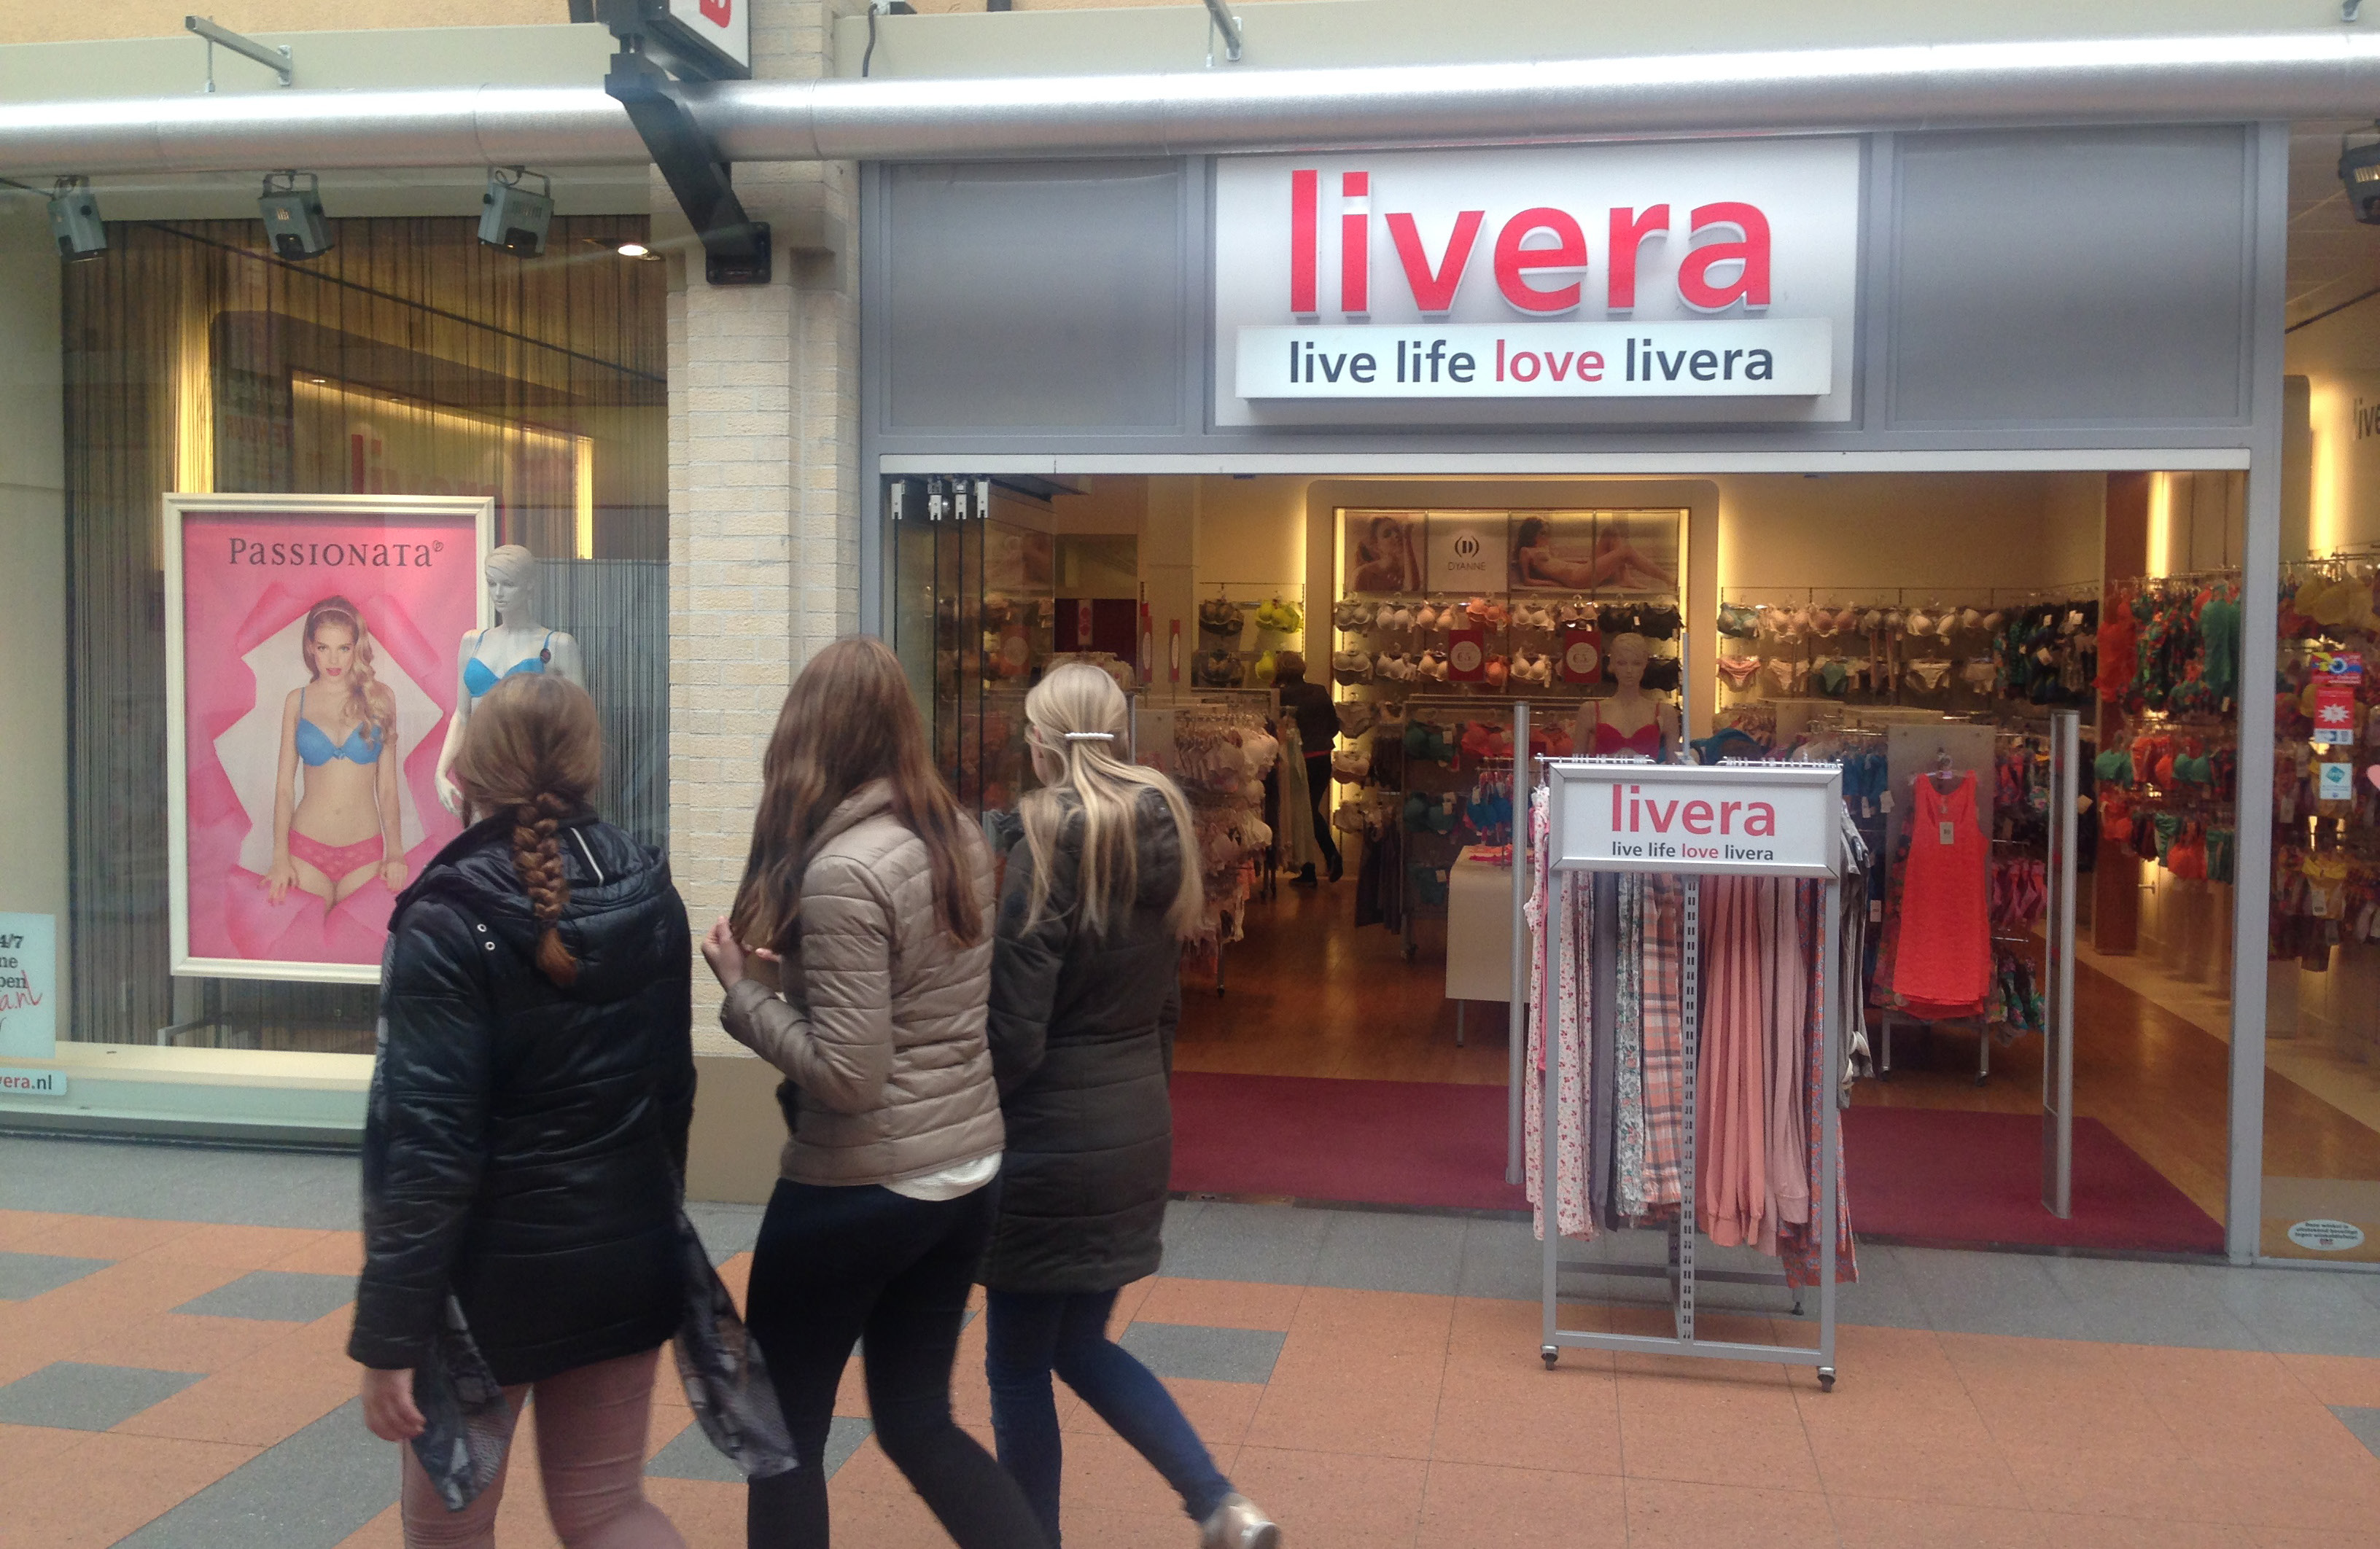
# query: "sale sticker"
[2333,711]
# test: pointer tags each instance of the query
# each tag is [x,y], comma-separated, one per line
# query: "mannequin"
[497,653]
[1630,720]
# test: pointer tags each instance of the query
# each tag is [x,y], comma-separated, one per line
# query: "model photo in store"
[1384,553]
[1576,550]
[312,643]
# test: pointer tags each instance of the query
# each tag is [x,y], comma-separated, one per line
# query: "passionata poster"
[312,646]
[1383,551]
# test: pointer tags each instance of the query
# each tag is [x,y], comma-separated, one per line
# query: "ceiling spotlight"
[513,217]
[74,221]
[632,249]
[293,216]
[2358,168]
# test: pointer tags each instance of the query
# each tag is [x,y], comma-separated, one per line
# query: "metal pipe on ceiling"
[2329,74]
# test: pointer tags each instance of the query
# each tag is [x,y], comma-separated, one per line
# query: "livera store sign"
[1719,271]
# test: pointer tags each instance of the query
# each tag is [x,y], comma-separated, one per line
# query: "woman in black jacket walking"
[528,1126]
[1085,990]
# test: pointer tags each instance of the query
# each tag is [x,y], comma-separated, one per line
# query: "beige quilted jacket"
[880,1026]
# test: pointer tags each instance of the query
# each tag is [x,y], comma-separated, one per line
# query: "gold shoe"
[1237,1524]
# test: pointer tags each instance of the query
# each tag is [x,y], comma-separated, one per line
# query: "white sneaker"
[1237,1524]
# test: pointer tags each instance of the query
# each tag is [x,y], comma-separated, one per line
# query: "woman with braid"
[526,1138]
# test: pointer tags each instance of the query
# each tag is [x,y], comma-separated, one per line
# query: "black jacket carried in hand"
[1082,1040]
[524,1142]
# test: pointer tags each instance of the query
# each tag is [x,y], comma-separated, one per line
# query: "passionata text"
[361,556]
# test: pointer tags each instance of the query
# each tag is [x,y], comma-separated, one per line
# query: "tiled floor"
[175,1381]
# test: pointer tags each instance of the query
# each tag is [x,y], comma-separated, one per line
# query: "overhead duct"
[2330,74]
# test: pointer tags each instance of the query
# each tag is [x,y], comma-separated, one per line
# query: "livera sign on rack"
[1554,277]
[1781,821]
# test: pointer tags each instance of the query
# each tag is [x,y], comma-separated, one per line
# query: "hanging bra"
[1927,677]
[1351,615]
[478,677]
[315,747]
[1659,623]
[2197,771]
[1739,671]
[2114,767]
[1662,675]
[1738,622]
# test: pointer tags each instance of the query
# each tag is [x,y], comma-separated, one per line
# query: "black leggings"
[835,1263]
[1317,792]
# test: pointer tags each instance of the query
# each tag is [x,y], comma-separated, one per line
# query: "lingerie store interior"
[1345,1030]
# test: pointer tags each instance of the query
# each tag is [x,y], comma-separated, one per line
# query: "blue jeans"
[1026,1338]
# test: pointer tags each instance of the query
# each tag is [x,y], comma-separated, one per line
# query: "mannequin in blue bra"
[490,656]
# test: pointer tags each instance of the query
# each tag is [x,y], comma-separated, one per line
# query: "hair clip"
[1090,736]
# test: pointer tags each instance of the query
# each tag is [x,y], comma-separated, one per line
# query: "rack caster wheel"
[1983,1080]
[1549,1354]
[1826,1379]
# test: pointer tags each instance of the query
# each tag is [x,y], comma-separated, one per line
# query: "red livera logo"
[1541,263]
[719,13]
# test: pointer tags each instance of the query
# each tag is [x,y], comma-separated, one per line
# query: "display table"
[1478,932]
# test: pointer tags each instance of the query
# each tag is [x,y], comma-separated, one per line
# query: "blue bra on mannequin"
[478,677]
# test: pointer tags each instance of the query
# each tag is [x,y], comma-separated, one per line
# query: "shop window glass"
[410,359]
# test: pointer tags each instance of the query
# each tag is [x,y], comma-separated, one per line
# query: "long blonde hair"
[1079,714]
[369,701]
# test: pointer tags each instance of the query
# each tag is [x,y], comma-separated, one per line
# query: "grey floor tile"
[1502,1259]
[1274,1245]
[2135,1303]
[1990,1293]
[76,1396]
[311,1492]
[1384,1250]
[726,1230]
[1882,1297]
[221,1187]
[690,1455]
[1198,1353]
[275,1296]
[2365,1424]
[842,1439]
[28,1275]
[2297,1312]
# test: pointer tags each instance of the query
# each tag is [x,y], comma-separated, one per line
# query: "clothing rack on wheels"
[1592,806]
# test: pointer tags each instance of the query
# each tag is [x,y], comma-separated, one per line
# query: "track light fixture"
[293,216]
[74,221]
[513,217]
[2358,169]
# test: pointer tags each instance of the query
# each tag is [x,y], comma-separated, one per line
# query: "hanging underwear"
[1833,677]
[1927,677]
[2222,860]
[1739,671]
[1782,674]
[1980,675]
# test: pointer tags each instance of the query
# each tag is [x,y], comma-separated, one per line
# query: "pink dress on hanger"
[1942,961]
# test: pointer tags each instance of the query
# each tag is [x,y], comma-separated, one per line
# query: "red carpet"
[1973,1179]
[1917,1175]
[1360,1141]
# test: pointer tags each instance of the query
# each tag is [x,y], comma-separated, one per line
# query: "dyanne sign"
[1685,271]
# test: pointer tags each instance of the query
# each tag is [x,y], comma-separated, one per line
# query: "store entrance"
[1348,1039]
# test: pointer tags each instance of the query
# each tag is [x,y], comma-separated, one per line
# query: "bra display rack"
[1242,624]
[1809,844]
[1905,644]
[1450,742]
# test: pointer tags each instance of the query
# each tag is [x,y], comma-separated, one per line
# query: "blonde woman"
[1086,991]
[340,727]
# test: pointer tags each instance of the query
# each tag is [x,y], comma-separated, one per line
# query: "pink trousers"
[590,1448]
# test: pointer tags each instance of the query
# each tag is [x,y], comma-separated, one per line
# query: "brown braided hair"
[533,748]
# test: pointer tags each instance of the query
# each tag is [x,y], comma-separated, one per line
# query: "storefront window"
[408,360]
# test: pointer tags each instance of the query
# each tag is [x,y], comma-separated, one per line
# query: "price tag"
[1949,833]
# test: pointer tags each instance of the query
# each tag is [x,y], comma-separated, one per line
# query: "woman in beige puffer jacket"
[867,891]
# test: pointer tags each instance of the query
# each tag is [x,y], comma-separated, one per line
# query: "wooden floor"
[1308,994]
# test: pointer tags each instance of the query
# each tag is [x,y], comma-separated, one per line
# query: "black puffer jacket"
[524,1142]
[1082,1040]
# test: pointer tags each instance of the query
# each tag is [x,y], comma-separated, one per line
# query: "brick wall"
[764,541]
